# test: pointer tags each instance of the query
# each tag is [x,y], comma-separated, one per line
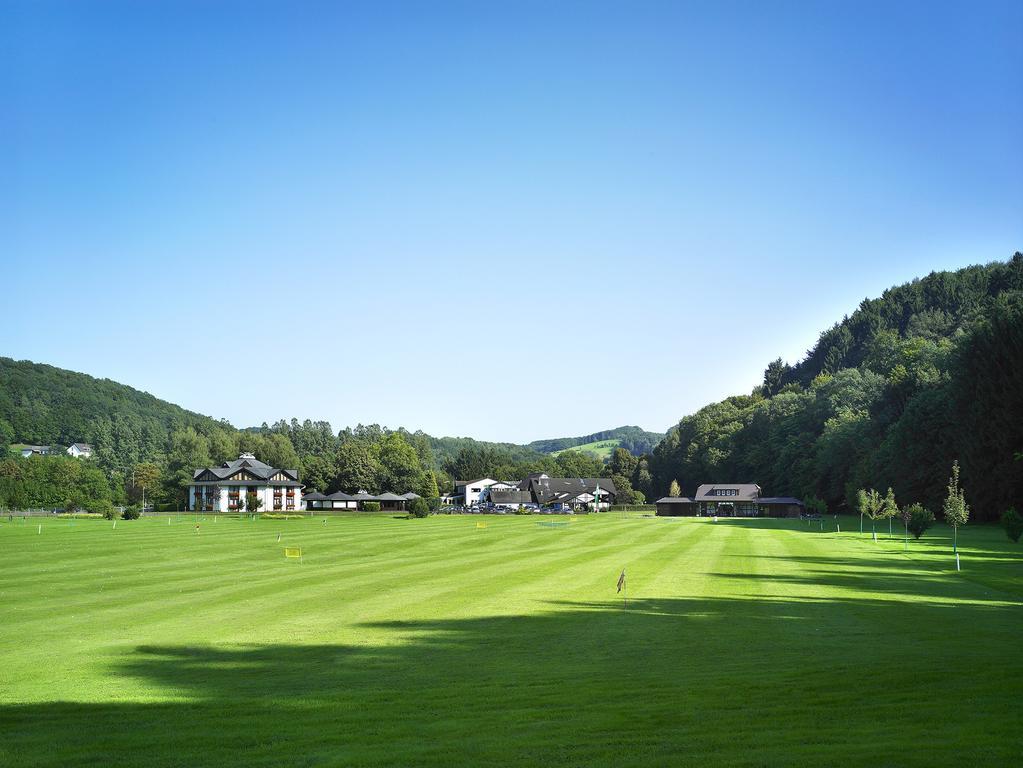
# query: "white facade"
[225,498]
[473,489]
[226,488]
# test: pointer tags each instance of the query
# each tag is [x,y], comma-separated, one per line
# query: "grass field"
[602,449]
[745,643]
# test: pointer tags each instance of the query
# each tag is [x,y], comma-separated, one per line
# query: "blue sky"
[503,220]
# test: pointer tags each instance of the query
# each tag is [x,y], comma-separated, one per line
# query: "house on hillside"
[80,450]
[224,488]
[36,450]
[730,500]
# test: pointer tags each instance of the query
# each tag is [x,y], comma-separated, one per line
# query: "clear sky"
[503,220]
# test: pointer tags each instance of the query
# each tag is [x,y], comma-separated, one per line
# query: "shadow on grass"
[777,680]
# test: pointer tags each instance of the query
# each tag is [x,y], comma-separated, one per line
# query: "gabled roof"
[411,496]
[675,500]
[551,490]
[488,480]
[388,496]
[338,496]
[745,492]
[80,446]
[248,463]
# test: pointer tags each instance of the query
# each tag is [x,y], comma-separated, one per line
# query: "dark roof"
[250,464]
[411,496]
[552,490]
[511,497]
[314,496]
[675,500]
[388,496]
[779,500]
[339,496]
[746,492]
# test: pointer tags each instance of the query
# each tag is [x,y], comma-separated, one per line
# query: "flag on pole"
[621,580]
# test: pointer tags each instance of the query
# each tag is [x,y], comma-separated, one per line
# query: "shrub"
[418,508]
[133,512]
[1012,522]
[523,511]
[371,506]
[920,519]
[433,503]
[816,506]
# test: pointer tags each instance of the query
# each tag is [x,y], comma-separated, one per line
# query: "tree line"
[929,374]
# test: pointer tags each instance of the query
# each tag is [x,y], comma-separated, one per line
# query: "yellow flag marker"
[480,525]
[293,552]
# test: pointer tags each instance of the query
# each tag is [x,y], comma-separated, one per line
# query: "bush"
[523,511]
[433,503]
[418,508]
[280,516]
[133,512]
[1012,522]
[920,519]
[371,506]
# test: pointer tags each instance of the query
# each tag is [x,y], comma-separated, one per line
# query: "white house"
[224,488]
[80,450]
[468,492]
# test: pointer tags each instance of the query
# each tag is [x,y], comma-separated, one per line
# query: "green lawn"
[427,642]
[602,449]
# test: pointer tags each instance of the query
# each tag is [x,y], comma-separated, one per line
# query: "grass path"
[746,643]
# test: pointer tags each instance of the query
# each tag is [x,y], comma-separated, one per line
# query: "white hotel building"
[220,489]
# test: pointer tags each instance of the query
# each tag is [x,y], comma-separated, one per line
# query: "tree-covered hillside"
[44,405]
[136,436]
[930,372]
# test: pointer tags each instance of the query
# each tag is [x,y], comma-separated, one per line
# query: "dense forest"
[929,373]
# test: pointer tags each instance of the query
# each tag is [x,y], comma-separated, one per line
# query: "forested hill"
[44,405]
[635,440]
[929,373]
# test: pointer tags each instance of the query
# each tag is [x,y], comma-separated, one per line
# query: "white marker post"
[115,525]
[40,529]
[957,561]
